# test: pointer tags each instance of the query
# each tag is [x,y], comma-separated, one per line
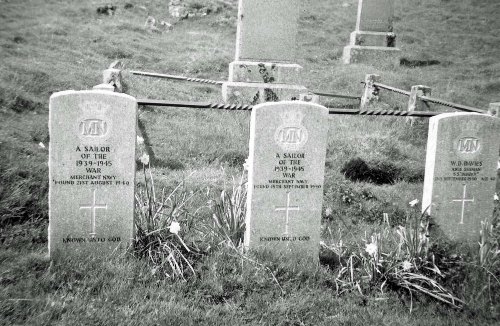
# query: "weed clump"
[378,173]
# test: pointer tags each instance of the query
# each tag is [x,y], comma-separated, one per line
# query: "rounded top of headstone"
[91,92]
[296,104]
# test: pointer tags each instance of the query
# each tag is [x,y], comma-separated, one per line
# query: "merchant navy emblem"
[468,145]
[291,135]
[93,123]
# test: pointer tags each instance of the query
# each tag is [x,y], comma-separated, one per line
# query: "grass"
[48,46]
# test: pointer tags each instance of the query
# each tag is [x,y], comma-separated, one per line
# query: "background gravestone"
[265,53]
[285,188]
[373,39]
[460,172]
[91,172]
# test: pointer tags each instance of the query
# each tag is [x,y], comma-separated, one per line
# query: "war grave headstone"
[264,69]
[286,174]
[91,172]
[373,39]
[460,172]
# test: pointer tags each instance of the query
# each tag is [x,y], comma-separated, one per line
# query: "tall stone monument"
[91,172]
[374,39]
[264,68]
[461,172]
[285,188]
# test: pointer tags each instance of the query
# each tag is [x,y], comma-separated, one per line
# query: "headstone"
[265,53]
[373,39]
[375,15]
[91,172]
[460,172]
[286,174]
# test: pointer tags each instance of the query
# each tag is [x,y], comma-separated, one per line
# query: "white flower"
[246,165]
[41,145]
[407,265]
[328,211]
[144,159]
[175,227]
[371,249]
[495,197]
[414,202]
[140,140]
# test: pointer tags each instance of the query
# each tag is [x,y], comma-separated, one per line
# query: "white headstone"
[286,174]
[375,15]
[460,172]
[267,30]
[91,172]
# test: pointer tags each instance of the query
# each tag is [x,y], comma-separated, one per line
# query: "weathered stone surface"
[267,30]
[91,172]
[286,174]
[373,39]
[255,93]
[461,172]
[375,15]
[376,54]
[264,72]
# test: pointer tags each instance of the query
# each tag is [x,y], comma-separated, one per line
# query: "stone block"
[264,72]
[255,93]
[372,54]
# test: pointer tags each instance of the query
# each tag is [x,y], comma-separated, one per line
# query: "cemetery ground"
[374,165]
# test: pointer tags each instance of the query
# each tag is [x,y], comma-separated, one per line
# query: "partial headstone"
[414,101]
[91,172]
[374,39]
[461,172]
[286,174]
[265,53]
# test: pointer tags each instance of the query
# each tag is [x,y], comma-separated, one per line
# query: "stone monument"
[373,39]
[264,69]
[285,188]
[461,172]
[91,172]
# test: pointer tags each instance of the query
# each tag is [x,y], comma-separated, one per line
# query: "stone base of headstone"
[364,54]
[255,93]
[362,38]
[264,72]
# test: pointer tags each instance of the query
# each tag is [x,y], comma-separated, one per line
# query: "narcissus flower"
[407,265]
[175,227]
[144,159]
[413,202]
[371,249]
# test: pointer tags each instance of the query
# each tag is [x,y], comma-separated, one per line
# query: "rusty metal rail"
[218,82]
[430,99]
[238,107]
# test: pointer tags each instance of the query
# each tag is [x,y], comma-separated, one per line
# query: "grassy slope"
[47,46]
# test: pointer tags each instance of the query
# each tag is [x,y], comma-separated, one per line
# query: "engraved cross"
[287,209]
[93,207]
[463,200]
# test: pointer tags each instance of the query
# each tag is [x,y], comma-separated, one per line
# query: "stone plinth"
[373,38]
[255,93]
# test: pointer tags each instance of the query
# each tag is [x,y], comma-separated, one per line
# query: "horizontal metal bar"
[221,106]
[337,95]
[393,89]
[452,105]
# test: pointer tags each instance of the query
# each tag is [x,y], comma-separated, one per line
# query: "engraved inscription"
[463,200]
[468,145]
[287,210]
[93,207]
[291,135]
[93,127]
